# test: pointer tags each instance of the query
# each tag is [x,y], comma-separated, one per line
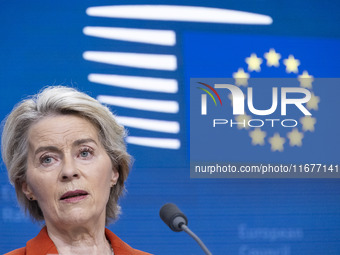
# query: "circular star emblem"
[290,64]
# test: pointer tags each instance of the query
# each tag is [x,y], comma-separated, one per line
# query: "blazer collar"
[42,244]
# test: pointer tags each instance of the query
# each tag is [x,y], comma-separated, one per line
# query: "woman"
[67,159]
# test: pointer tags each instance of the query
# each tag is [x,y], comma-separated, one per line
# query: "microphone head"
[173,217]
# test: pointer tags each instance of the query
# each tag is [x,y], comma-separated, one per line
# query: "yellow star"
[313,102]
[305,80]
[308,123]
[272,58]
[295,137]
[257,136]
[277,142]
[291,64]
[243,119]
[241,78]
[254,63]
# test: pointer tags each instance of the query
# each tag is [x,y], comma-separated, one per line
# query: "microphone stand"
[196,238]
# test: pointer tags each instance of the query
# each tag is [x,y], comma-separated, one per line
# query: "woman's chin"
[74,220]
[75,216]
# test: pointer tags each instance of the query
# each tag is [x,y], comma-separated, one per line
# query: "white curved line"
[139,60]
[158,37]
[179,13]
[150,124]
[141,104]
[136,82]
[163,143]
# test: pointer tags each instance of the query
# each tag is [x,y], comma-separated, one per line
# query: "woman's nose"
[69,170]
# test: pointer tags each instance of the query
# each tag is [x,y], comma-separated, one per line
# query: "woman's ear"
[114,177]
[27,191]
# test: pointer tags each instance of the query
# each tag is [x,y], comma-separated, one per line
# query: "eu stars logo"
[255,63]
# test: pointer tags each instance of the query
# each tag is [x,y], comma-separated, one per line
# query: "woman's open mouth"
[74,196]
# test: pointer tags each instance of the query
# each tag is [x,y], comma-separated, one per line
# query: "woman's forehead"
[62,129]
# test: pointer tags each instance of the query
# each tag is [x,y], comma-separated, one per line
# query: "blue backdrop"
[46,43]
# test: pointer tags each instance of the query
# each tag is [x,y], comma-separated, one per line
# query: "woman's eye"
[84,154]
[47,160]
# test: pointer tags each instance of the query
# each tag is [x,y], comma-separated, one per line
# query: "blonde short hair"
[62,100]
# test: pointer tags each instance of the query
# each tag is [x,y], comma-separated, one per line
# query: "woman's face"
[69,172]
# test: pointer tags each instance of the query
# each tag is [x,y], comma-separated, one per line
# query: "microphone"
[173,217]
[177,221]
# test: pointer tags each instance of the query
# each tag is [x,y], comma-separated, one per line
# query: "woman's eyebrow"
[56,149]
[46,148]
[82,141]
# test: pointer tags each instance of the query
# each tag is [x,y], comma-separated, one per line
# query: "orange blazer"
[43,245]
